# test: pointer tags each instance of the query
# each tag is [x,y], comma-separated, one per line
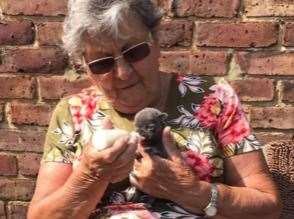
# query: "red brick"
[17,87]
[28,113]
[272,117]
[17,189]
[34,7]
[164,5]
[16,32]
[254,89]
[266,63]
[28,141]
[268,137]
[289,34]
[288,91]
[56,87]
[43,60]
[2,210]
[8,165]
[242,34]
[50,33]
[1,112]
[175,32]
[257,8]
[199,8]
[209,63]
[174,62]
[29,164]
[246,110]
[17,210]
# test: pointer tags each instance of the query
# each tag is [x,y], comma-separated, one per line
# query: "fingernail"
[133,139]
[168,131]
[127,138]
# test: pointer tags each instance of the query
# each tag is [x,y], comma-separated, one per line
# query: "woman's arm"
[249,192]
[64,193]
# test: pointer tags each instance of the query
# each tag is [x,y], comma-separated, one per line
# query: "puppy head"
[149,122]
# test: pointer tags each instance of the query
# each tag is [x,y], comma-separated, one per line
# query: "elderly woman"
[215,166]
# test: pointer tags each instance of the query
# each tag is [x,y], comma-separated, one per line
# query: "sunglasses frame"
[118,57]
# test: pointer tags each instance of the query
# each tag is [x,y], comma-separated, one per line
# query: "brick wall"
[248,41]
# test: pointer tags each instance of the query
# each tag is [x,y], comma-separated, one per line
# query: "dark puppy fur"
[150,123]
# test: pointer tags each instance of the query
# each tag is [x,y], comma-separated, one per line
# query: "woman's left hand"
[163,178]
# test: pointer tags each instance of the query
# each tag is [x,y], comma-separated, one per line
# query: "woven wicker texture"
[280,157]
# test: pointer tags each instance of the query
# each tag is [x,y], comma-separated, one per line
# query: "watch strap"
[213,200]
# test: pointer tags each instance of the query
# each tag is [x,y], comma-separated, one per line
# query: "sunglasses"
[131,55]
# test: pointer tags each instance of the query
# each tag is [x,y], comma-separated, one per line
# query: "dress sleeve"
[60,138]
[222,111]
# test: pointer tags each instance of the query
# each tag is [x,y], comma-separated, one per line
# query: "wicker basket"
[280,158]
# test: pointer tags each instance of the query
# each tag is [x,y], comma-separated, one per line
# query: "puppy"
[150,123]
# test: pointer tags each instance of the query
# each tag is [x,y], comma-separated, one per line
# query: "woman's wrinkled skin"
[114,163]
[129,87]
[163,178]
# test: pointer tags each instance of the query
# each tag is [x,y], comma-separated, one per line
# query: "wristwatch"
[211,209]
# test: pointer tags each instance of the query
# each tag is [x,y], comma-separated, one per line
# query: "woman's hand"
[112,164]
[160,177]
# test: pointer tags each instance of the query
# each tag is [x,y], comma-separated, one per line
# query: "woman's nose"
[123,69]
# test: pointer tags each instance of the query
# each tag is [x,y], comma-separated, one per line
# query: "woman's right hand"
[112,164]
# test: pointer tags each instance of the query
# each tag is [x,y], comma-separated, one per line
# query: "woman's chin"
[129,108]
[133,99]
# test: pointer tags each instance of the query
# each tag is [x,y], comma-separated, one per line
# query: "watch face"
[211,211]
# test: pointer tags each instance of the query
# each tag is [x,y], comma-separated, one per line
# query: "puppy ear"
[163,116]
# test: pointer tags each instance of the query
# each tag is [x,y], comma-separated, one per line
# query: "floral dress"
[206,121]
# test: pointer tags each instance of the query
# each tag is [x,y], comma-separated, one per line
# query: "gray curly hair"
[96,16]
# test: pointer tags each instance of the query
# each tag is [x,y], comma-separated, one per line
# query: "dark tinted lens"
[101,66]
[137,53]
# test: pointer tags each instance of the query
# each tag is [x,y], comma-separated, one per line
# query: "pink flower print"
[76,116]
[88,106]
[125,207]
[179,78]
[200,164]
[135,214]
[233,126]
[208,112]
[82,108]
[224,92]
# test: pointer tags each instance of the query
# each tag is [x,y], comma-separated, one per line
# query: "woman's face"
[129,86]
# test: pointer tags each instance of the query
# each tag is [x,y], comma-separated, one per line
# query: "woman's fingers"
[141,153]
[110,154]
[121,173]
[107,124]
[170,145]
[129,154]
[134,180]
